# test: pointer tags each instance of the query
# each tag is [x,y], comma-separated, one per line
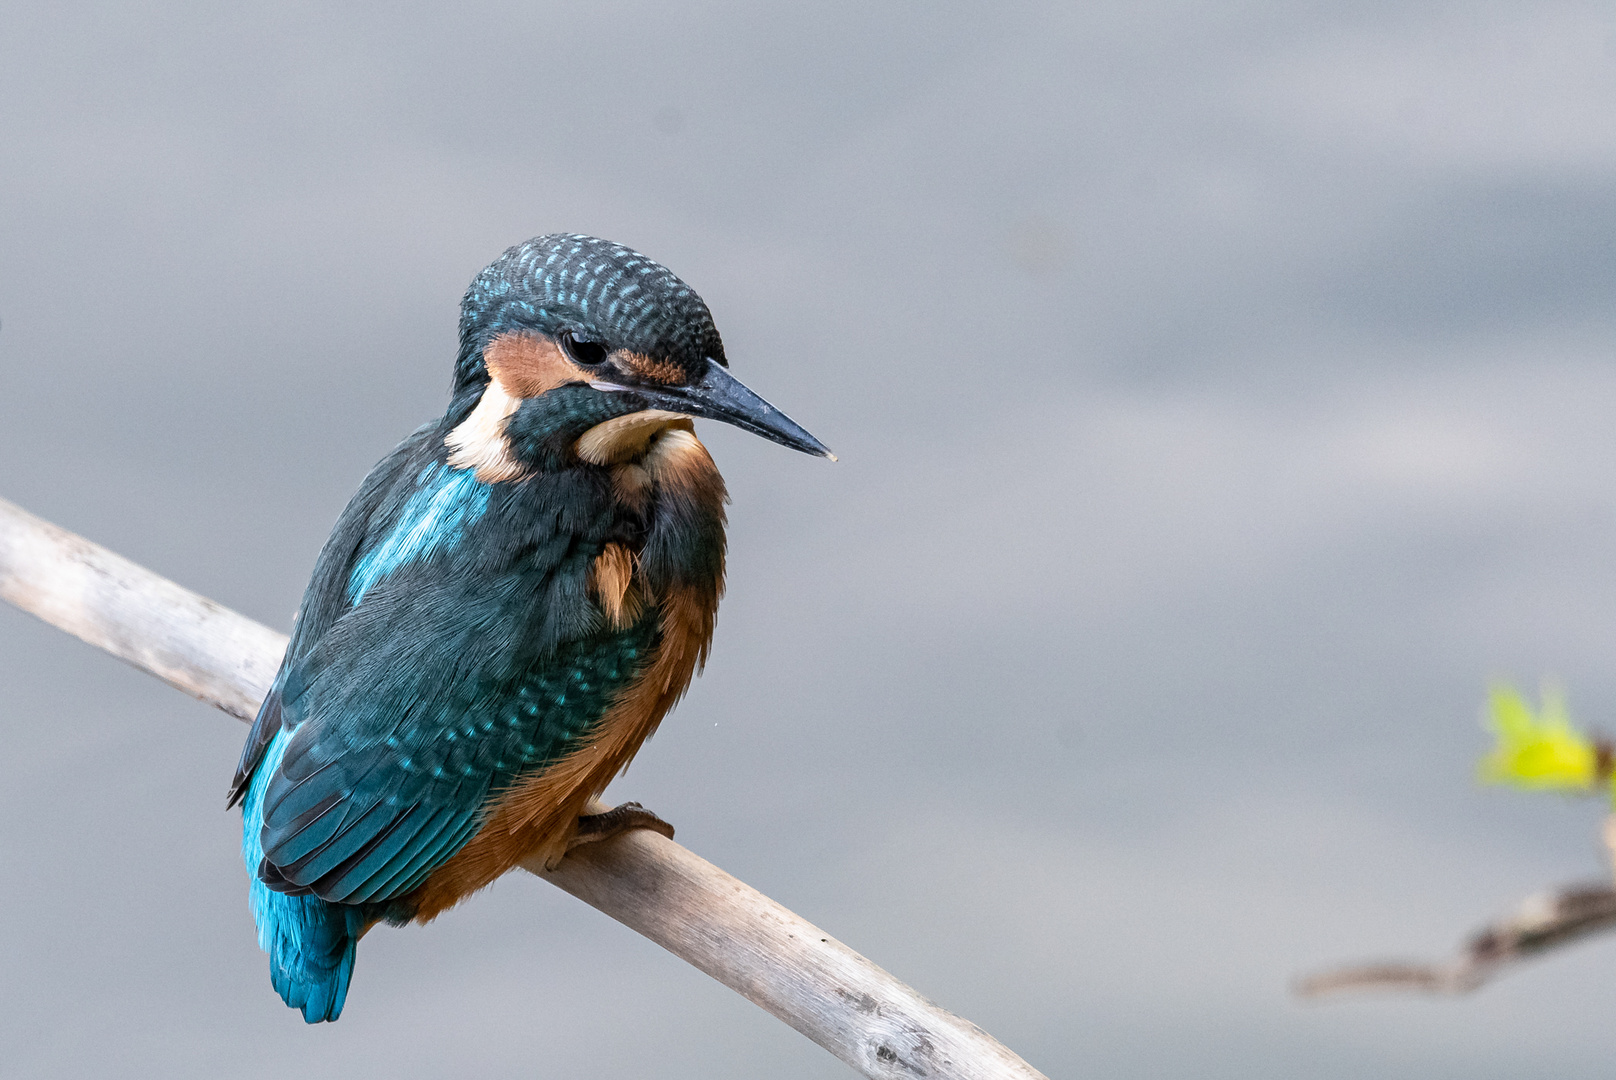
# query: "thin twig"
[690,907]
[1543,923]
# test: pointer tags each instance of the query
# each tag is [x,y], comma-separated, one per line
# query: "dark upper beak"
[721,396]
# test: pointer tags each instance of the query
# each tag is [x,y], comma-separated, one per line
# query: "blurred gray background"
[1224,393]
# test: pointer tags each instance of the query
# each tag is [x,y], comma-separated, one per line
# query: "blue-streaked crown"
[596,289]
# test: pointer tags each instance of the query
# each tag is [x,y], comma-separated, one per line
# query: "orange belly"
[538,815]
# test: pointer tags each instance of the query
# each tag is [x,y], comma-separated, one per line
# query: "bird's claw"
[593,828]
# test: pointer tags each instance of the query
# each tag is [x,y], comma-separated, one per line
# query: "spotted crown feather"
[568,281]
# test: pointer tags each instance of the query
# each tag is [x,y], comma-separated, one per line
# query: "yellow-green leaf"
[1540,751]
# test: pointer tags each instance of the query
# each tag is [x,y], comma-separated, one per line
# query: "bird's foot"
[593,828]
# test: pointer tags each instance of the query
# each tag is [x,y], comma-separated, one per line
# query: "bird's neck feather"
[479,442]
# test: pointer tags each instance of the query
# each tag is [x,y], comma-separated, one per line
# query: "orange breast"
[538,815]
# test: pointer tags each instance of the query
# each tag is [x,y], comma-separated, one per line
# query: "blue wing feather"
[472,656]
[406,870]
[326,596]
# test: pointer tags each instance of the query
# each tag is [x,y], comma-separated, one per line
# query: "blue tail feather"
[310,942]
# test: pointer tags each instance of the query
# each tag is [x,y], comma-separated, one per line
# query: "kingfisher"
[503,613]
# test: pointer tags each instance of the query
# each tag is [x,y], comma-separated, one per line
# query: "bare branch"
[184,639]
[690,907]
[1543,923]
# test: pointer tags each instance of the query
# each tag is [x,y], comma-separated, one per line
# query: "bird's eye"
[581,351]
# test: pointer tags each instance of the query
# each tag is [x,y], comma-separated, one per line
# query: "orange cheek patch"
[661,371]
[528,365]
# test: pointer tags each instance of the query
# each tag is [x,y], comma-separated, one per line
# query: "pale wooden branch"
[690,907]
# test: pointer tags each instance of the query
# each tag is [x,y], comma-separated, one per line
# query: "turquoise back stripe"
[445,504]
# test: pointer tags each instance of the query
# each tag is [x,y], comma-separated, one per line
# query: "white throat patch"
[479,443]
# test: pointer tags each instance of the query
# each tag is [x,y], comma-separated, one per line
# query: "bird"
[503,613]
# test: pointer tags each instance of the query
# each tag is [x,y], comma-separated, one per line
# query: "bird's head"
[574,345]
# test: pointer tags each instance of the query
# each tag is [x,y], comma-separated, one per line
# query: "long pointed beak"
[721,396]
